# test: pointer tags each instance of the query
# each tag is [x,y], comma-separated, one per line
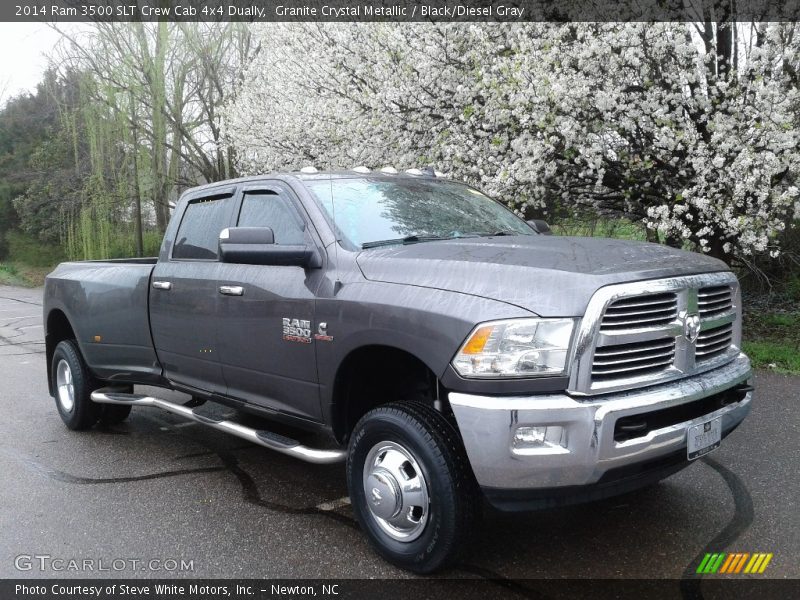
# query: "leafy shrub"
[26,249]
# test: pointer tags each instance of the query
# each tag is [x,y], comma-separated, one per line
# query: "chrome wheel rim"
[66,389]
[396,491]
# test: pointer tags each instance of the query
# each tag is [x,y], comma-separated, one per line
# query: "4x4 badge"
[322,333]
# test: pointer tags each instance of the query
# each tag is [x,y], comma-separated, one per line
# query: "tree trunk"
[174,168]
[155,76]
[673,241]
[136,189]
[724,49]
[717,250]
[651,235]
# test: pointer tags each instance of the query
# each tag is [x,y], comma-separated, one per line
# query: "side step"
[267,439]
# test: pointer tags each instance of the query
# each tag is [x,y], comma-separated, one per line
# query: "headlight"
[516,348]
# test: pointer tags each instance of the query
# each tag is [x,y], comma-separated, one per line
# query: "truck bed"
[147,260]
[107,303]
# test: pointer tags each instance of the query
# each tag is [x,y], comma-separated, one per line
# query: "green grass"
[776,356]
[22,275]
[772,340]
[28,260]
[9,275]
[608,228]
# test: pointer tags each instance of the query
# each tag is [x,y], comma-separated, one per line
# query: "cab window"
[198,234]
[274,211]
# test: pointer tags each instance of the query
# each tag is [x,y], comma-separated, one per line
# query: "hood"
[551,276]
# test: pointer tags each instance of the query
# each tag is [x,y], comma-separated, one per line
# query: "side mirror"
[256,246]
[540,227]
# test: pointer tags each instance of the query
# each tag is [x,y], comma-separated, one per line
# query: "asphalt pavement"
[156,488]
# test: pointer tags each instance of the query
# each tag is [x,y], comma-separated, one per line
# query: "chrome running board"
[267,439]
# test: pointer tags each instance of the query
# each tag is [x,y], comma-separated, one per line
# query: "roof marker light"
[390,170]
[413,171]
[361,169]
[309,170]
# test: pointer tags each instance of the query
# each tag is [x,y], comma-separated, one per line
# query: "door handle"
[162,285]
[231,290]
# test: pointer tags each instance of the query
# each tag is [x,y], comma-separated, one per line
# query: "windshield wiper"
[489,233]
[409,239]
[497,233]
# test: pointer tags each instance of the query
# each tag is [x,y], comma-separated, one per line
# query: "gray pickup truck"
[450,351]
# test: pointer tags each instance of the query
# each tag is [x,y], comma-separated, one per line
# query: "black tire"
[453,509]
[112,414]
[81,412]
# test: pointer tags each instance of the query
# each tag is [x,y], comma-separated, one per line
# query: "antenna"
[337,284]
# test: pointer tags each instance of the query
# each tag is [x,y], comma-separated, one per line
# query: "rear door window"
[198,234]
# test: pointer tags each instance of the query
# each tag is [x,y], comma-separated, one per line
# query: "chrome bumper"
[585,448]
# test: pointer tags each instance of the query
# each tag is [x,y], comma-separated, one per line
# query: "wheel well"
[375,375]
[58,330]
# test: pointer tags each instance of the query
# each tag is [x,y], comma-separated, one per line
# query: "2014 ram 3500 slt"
[450,350]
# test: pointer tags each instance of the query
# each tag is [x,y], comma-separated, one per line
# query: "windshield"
[373,212]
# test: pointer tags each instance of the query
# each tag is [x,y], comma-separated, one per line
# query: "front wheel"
[73,385]
[114,414]
[411,487]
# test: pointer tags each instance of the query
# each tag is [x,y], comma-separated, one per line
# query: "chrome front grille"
[641,333]
[713,342]
[637,358]
[640,311]
[716,300]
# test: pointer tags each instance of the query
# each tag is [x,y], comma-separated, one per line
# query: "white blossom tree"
[690,129]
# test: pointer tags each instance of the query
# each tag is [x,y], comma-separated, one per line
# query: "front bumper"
[586,452]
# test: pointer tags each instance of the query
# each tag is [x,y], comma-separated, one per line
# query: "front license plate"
[703,438]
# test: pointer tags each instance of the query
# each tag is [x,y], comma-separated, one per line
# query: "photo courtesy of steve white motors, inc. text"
[177,590]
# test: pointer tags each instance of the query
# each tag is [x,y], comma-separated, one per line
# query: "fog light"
[549,436]
[530,436]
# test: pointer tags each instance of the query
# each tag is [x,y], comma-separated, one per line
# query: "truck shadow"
[661,531]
